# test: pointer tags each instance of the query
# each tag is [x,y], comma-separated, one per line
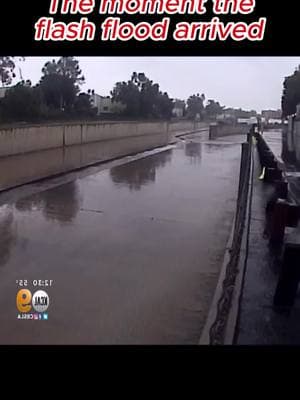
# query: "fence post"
[282,189]
[279,221]
[249,137]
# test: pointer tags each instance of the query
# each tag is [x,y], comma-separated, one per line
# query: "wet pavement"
[134,249]
[260,323]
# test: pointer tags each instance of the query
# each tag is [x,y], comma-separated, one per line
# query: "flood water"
[134,251]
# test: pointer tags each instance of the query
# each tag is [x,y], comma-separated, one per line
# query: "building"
[237,115]
[248,121]
[271,115]
[226,117]
[275,121]
[179,108]
[105,105]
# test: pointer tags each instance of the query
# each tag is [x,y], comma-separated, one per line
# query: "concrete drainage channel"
[220,328]
[222,320]
[32,168]
[34,185]
[223,316]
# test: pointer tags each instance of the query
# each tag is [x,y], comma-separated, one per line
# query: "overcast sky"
[249,83]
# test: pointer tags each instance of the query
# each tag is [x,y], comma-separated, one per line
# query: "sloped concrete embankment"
[37,152]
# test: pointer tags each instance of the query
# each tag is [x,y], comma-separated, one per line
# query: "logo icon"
[24,298]
[40,301]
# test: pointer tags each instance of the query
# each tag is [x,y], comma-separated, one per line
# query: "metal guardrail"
[282,212]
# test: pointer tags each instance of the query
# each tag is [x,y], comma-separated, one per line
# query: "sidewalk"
[259,324]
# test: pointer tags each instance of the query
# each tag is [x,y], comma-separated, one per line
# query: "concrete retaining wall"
[182,126]
[27,139]
[24,140]
[187,126]
[19,169]
[220,130]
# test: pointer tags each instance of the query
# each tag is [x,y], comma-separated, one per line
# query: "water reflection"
[7,234]
[213,148]
[24,168]
[140,173]
[60,204]
[193,150]
[31,203]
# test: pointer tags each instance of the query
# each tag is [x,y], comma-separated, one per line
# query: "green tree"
[22,103]
[291,93]
[7,68]
[213,108]
[83,106]
[67,67]
[59,93]
[195,106]
[60,83]
[142,98]
[164,106]
[128,94]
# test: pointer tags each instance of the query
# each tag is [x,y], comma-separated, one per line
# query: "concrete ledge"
[232,318]
[182,134]
[212,315]
[230,321]
[27,139]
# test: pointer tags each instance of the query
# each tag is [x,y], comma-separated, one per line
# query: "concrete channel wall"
[220,130]
[26,139]
[29,167]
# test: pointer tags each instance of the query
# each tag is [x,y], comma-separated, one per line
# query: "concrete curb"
[233,316]
[205,337]
[192,132]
